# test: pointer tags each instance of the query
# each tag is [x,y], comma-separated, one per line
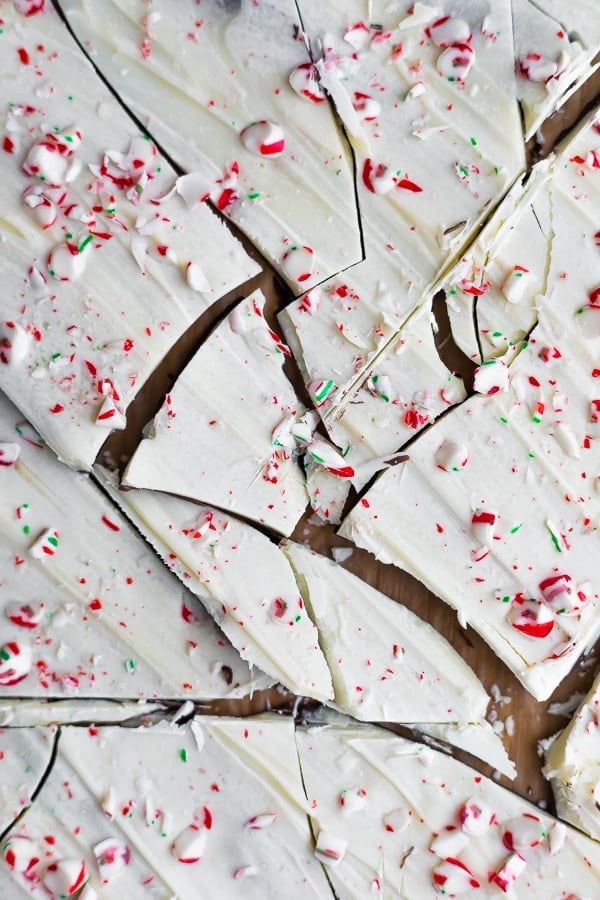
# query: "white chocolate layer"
[429,165]
[214,439]
[28,713]
[87,344]
[217,803]
[407,827]
[24,757]
[386,663]
[477,738]
[555,46]
[573,766]
[197,79]
[422,516]
[243,580]
[83,615]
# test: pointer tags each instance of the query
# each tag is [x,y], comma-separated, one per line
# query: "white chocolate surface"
[237,781]
[573,766]
[243,580]
[24,757]
[83,617]
[213,440]
[412,795]
[87,344]
[197,79]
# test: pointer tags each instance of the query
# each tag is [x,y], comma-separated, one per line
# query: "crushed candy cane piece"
[14,343]
[456,62]
[475,817]
[304,81]
[298,263]
[65,877]
[9,454]
[112,856]
[453,877]
[516,284]
[491,377]
[508,873]
[329,849]
[451,457]
[46,544]
[264,139]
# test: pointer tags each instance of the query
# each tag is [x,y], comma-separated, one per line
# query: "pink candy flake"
[304,81]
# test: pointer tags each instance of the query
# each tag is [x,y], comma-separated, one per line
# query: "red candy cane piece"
[475,817]
[65,877]
[367,108]
[15,663]
[558,592]
[264,139]
[9,454]
[513,866]
[298,263]
[534,67]
[377,177]
[482,526]
[522,833]
[456,62]
[453,877]
[449,30]
[263,820]
[531,617]
[22,855]
[25,615]
[112,856]
[451,457]
[304,80]
[14,343]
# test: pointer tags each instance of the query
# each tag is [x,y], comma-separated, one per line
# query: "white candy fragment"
[523,833]
[66,262]
[189,845]
[475,817]
[449,842]
[196,278]
[65,877]
[113,857]
[9,454]
[451,457]
[46,544]
[534,67]
[264,139]
[263,820]
[21,854]
[298,263]
[14,343]
[110,416]
[330,849]
[516,284]
[353,799]
[449,30]
[327,456]
[491,377]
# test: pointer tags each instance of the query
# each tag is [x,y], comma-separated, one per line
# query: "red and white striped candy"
[483,523]
[264,139]
[329,849]
[532,618]
[44,210]
[111,416]
[523,832]
[46,161]
[25,615]
[516,284]
[513,866]
[377,177]
[323,453]
[14,343]
[30,7]
[113,857]
[298,263]
[196,278]
[46,545]
[558,592]
[366,108]
[66,263]
[311,301]
[64,877]
[453,877]
[9,454]
[449,30]
[475,817]
[304,81]
[449,842]
[456,62]
[557,836]
[451,457]
[21,854]
[491,377]
[534,67]
[15,663]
